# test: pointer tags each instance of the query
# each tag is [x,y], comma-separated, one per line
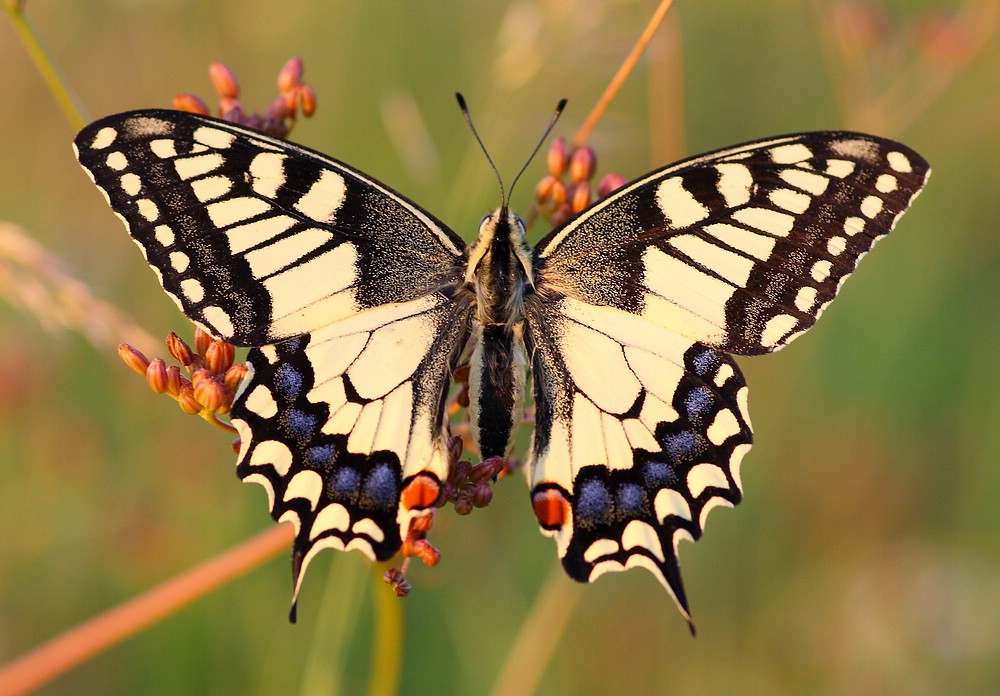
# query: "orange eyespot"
[551,507]
[420,493]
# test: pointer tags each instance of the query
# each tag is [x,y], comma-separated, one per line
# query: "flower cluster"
[205,382]
[558,200]
[279,116]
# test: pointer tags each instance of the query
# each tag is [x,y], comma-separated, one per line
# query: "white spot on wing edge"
[104,138]
[274,453]
[601,548]
[641,534]
[899,162]
[306,484]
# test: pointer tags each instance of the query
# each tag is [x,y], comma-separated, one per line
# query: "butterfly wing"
[743,248]
[641,417]
[258,239]
[345,288]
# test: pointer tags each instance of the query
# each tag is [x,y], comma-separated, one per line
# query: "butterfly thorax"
[500,275]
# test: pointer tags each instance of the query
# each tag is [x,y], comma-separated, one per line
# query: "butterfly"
[357,305]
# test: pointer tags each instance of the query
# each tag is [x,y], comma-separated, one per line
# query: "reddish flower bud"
[609,183]
[561,215]
[187,401]
[582,164]
[175,380]
[290,75]
[219,356]
[426,552]
[557,157]
[455,448]
[156,376]
[224,80]
[231,110]
[191,103]
[581,198]
[307,99]
[202,340]
[482,494]
[133,358]
[211,395]
[234,375]
[180,350]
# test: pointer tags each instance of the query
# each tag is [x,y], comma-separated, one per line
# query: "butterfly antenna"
[548,129]
[472,126]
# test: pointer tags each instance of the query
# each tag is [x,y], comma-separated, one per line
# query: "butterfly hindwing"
[258,239]
[743,248]
[336,423]
[639,432]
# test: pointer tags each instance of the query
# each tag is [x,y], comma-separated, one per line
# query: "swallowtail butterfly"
[357,304]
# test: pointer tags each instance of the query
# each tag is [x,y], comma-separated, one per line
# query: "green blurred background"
[866,556]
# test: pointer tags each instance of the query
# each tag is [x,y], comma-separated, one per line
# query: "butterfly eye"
[482,220]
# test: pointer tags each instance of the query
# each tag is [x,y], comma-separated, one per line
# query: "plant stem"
[48,661]
[42,58]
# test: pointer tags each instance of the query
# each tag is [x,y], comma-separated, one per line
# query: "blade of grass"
[46,66]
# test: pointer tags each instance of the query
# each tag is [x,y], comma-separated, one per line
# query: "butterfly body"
[358,304]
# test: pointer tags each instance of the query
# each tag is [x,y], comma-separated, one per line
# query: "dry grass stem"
[32,277]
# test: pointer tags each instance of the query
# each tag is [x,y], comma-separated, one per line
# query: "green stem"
[42,59]
[388,641]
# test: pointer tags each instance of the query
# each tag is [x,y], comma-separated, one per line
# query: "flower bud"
[180,350]
[234,375]
[133,358]
[211,395]
[202,340]
[609,183]
[187,401]
[307,99]
[190,103]
[219,356]
[582,164]
[581,198]
[557,157]
[290,75]
[224,80]
[156,376]
[175,380]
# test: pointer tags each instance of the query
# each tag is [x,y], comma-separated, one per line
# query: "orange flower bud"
[202,340]
[290,75]
[190,103]
[219,356]
[187,402]
[156,376]
[133,358]
[582,164]
[557,157]
[609,183]
[211,395]
[234,375]
[180,350]
[307,98]
[581,198]
[224,80]
[175,380]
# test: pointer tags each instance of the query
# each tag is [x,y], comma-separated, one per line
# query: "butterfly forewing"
[742,248]
[257,239]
